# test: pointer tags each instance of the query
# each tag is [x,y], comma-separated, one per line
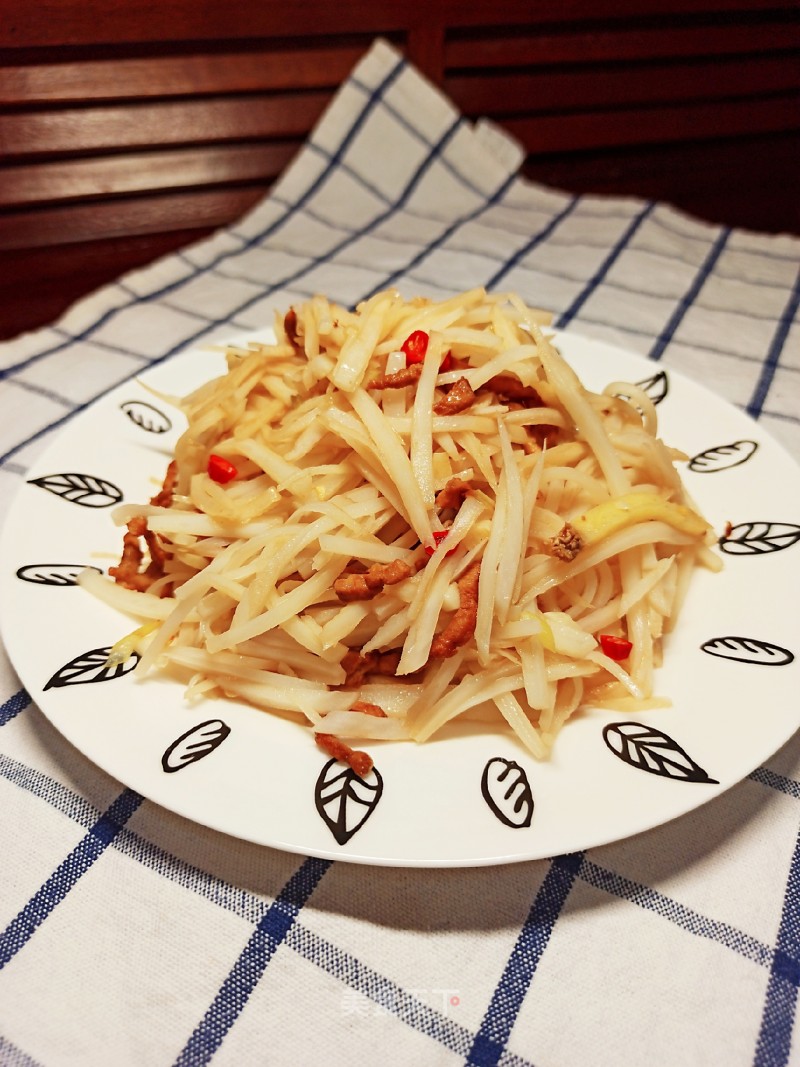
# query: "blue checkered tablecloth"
[130,936]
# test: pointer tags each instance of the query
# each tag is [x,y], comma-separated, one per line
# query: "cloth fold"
[129,935]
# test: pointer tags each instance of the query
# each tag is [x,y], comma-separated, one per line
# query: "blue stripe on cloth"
[40,390]
[689,297]
[255,239]
[45,788]
[21,928]
[495,1029]
[774,1044]
[13,706]
[779,782]
[417,134]
[362,985]
[268,935]
[11,1056]
[355,975]
[443,236]
[616,251]
[529,246]
[678,914]
[755,407]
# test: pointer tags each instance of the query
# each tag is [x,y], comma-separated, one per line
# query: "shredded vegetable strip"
[408,513]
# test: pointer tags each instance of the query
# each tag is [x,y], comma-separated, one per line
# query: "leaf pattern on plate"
[85,489]
[507,791]
[748,650]
[146,417]
[656,387]
[195,744]
[91,667]
[650,750]
[344,800]
[722,457]
[759,538]
[61,574]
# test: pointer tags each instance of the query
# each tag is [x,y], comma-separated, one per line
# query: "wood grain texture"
[127,130]
[141,78]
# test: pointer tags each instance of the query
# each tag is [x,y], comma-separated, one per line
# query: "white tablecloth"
[129,936]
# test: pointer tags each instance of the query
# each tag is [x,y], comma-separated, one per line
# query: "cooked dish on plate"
[406,514]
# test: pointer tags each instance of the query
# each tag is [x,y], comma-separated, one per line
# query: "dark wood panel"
[52,22]
[621,43]
[116,175]
[708,178]
[149,124]
[132,129]
[543,134]
[37,285]
[182,210]
[591,88]
[176,75]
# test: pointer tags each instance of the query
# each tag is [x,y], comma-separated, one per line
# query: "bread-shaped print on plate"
[748,650]
[759,538]
[87,490]
[723,457]
[507,791]
[59,574]
[195,745]
[146,417]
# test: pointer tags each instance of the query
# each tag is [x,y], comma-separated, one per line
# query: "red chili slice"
[415,346]
[220,469]
[438,536]
[616,648]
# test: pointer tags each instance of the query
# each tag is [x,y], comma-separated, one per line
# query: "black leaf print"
[84,489]
[146,417]
[90,667]
[54,573]
[759,538]
[748,650]
[344,800]
[196,743]
[722,457]
[507,791]
[656,386]
[649,750]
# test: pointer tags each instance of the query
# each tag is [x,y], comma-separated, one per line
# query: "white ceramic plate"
[470,796]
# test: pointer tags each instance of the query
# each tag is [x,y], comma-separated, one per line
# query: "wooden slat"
[52,22]
[619,44]
[117,175]
[145,125]
[627,86]
[184,210]
[521,12]
[714,179]
[177,75]
[37,285]
[605,129]
[55,21]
